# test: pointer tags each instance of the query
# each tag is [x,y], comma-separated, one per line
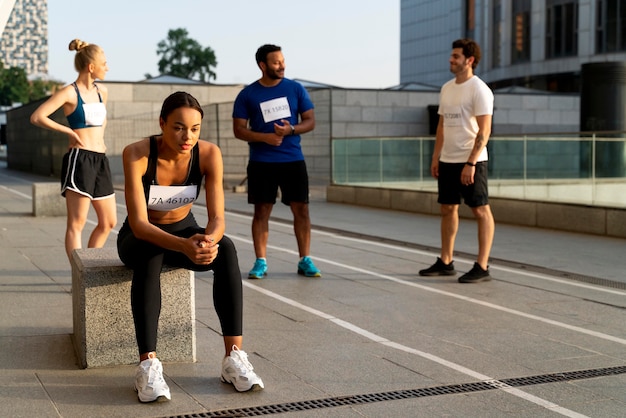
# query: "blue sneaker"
[259,269]
[307,268]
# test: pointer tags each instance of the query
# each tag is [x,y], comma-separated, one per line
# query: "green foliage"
[184,57]
[15,87]
[39,88]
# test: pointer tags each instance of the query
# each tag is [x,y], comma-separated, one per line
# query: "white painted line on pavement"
[397,248]
[445,293]
[496,267]
[469,262]
[454,366]
[27,196]
[453,295]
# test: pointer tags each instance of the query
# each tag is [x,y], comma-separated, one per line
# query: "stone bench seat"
[104,332]
[47,199]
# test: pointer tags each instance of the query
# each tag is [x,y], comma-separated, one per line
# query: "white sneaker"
[149,382]
[237,370]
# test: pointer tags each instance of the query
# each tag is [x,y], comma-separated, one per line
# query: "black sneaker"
[439,269]
[475,275]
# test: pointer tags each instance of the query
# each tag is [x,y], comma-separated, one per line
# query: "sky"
[344,43]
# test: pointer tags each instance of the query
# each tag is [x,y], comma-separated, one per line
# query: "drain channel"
[337,401]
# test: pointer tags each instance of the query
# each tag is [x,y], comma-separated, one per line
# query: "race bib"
[164,198]
[95,114]
[275,109]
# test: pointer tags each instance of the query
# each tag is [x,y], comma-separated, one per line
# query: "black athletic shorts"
[264,179]
[451,190]
[87,173]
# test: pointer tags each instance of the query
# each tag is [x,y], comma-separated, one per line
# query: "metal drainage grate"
[406,394]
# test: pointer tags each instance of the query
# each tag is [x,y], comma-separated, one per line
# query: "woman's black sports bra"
[166,198]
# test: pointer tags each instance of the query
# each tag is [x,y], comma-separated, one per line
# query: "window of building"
[470,18]
[496,35]
[561,28]
[611,26]
[520,50]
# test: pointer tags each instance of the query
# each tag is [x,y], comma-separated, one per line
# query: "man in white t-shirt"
[459,161]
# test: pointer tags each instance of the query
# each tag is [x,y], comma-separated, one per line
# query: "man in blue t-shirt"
[271,114]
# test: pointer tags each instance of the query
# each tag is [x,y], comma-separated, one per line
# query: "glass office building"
[536,44]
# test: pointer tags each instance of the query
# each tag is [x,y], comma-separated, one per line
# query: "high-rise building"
[539,44]
[24,41]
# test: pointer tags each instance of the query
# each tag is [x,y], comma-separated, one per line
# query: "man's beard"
[274,75]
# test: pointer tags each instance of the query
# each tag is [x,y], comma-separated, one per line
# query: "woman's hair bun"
[77,45]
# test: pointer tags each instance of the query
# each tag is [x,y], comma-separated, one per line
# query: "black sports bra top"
[166,198]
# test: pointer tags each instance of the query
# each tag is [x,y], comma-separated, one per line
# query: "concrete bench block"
[47,200]
[104,332]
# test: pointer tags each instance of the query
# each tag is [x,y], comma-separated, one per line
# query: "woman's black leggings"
[147,259]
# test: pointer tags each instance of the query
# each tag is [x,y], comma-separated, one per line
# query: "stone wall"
[133,110]
[132,113]
[535,113]
[584,219]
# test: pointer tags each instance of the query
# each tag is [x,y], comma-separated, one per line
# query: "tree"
[40,88]
[184,57]
[15,87]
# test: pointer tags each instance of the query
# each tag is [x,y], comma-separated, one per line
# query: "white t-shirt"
[459,104]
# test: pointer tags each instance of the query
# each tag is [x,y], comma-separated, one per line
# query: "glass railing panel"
[586,169]
[402,160]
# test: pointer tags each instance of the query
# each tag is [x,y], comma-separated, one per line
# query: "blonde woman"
[86,176]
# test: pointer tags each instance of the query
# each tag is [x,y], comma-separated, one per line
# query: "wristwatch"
[470,164]
[293,130]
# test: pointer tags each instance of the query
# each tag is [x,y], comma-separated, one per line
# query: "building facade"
[537,44]
[24,41]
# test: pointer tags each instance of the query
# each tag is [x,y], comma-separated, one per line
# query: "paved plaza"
[370,338]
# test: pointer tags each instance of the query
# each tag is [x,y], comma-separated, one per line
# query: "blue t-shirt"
[262,106]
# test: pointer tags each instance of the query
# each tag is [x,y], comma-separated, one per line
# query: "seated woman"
[163,177]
